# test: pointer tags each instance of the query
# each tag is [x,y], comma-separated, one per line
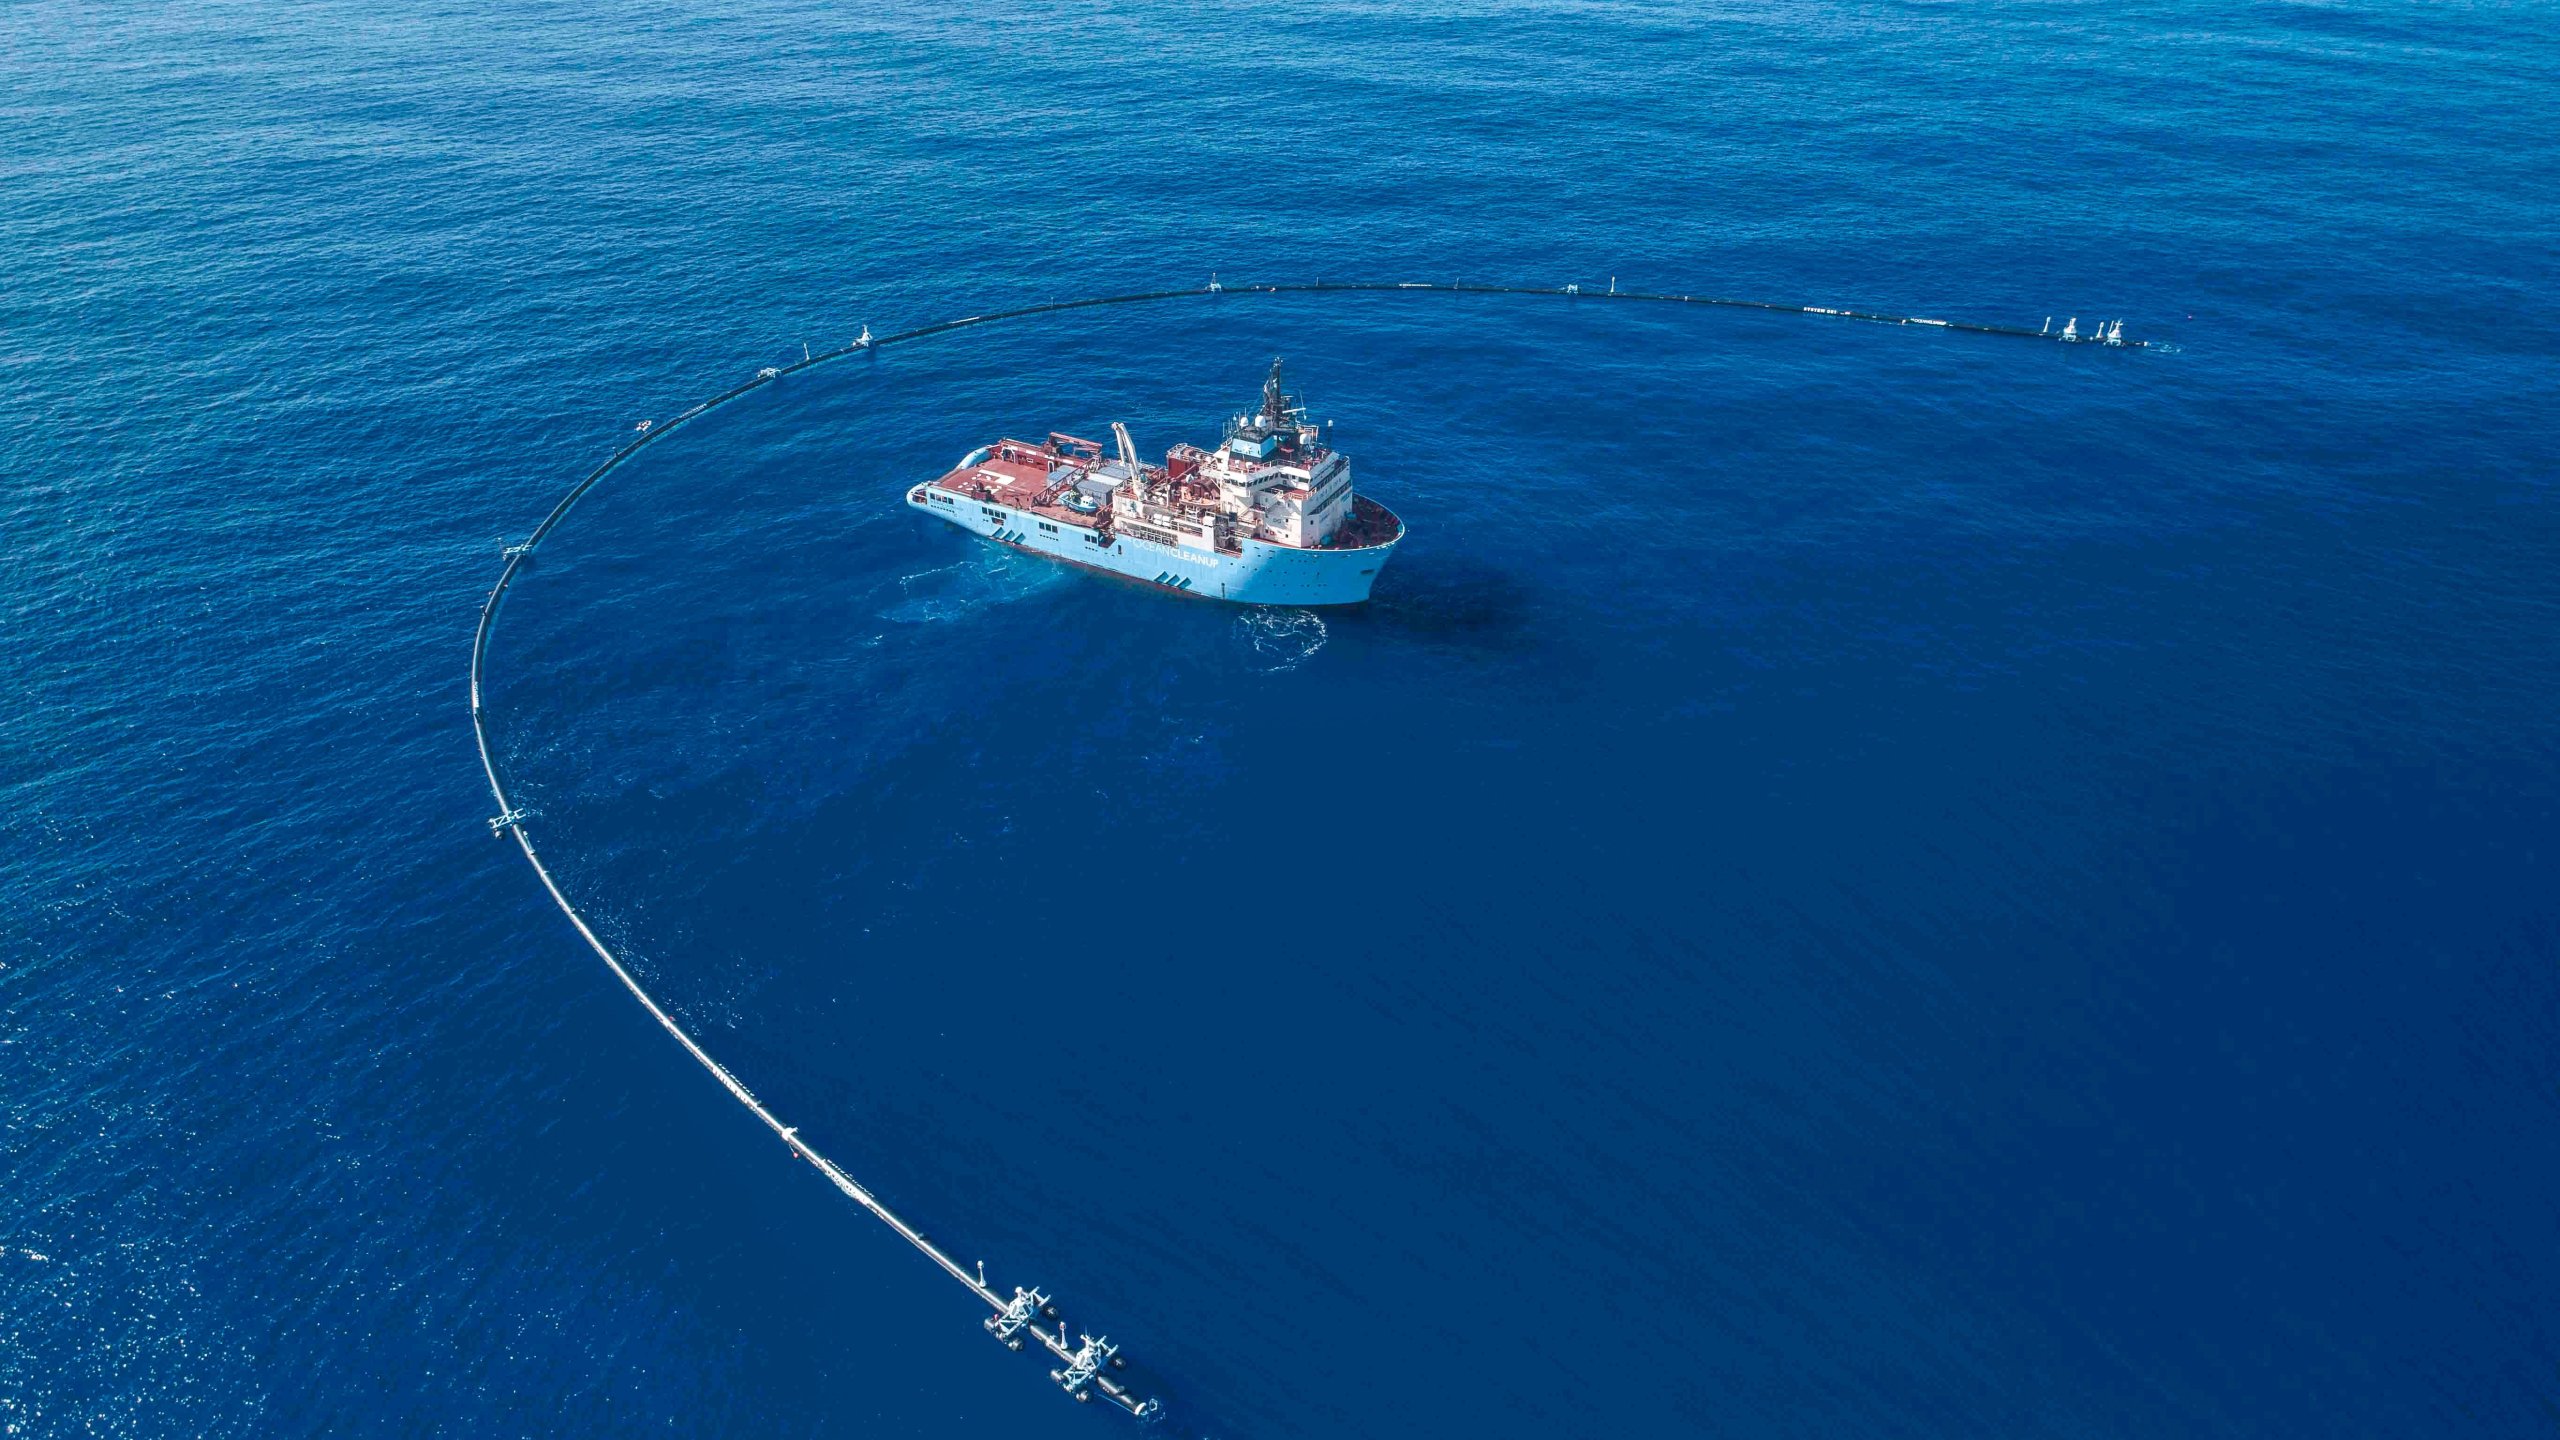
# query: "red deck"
[1370,524]
[1022,475]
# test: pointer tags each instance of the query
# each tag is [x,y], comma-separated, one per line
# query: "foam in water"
[1277,640]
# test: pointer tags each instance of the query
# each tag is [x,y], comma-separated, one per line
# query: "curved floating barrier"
[1011,1318]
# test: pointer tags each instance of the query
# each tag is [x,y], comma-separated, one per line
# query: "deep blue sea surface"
[1853,881]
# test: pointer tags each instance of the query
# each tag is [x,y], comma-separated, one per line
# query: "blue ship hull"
[1258,573]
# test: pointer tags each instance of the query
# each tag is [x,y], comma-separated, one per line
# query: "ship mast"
[1275,401]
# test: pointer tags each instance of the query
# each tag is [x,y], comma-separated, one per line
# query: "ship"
[1267,518]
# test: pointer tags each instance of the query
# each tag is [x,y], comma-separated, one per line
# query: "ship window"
[992,514]
[1045,525]
[941,499]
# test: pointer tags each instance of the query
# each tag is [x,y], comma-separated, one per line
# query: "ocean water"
[1851,880]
